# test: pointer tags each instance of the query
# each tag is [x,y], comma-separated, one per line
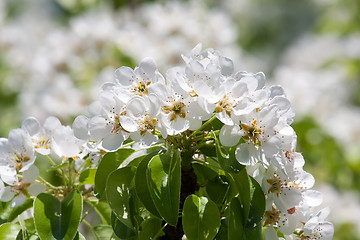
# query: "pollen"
[176,109]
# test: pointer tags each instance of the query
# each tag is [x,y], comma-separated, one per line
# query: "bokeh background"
[55,54]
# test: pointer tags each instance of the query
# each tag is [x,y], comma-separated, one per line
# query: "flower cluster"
[148,108]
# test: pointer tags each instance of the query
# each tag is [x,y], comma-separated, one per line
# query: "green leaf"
[9,214]
[87,176]
[79,236]
[150,228]
[217,189]
[257,204]
[201,218]
[120,229]
[223,231]
[120,195]
[9,231]
[110,162]
[254,233]
[228,160]
[141,185]
[164,179]
[236,225]
[102,208]
[203,173]
[57,220]
[242,183]
[209,151]
[104,232]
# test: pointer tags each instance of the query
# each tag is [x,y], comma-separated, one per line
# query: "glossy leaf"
[104,211]
[164,179]
[201,218]
[223,231]
[110,162]
[120,229]
[104,232]
[9,230]
[236,225]
[79,236]
[57,220]
[150,229]
[87,176]
[242,183]
[203,173]
[217,189]
[141,185]
[120,195]
[257,204]
[254,233]
[9,214]
[227,161]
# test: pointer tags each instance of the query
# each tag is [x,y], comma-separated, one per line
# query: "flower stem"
[47,183]
[203,126]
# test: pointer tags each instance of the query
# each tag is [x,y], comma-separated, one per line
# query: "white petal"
[36,188]
[200,109]
[95,109]
[31,174]
[51,123]
[312,198]
[18,200]
[251,82]
[128,124]
[230,135]
[288,198]
[8,175]
[271,146]
[260,76]
[113,142]
[155,106]
[31,125]
[98,128]
[245,154]
[160,90]
[64,142]
[148,65]
[202,89]
[80,127]
[6,194]
[124,76]
[282,103]
[19,138]
[148,139]
[227,66]
[276,91]
[271,234]
[225,118]
[180,124]
[239,89]
[194,124]
[136,107]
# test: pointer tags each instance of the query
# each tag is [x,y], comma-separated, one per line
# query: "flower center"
[148,124]
[275,185]
[21,187]
[141,88]
[252,132]
[272,217]
[176,109]
[42,142]
[224,104]
[20,158]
